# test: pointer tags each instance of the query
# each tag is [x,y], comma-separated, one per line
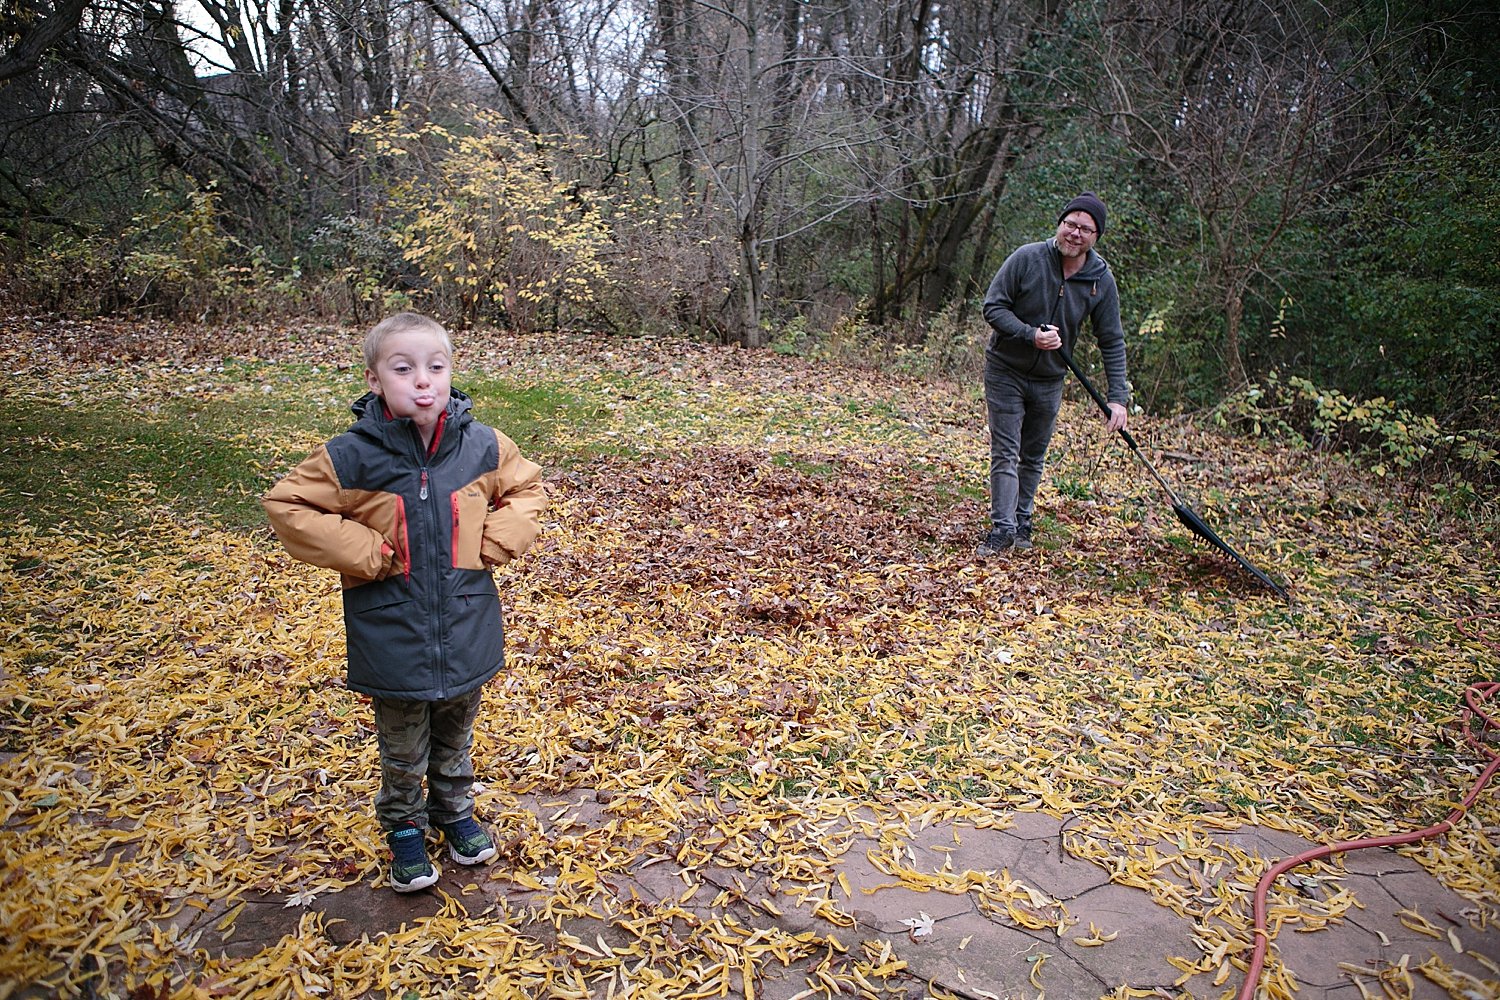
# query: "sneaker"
[468,844]
[410,867]
[996,543]
[1023,536]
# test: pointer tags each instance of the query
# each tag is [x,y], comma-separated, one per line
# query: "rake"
[1185,514]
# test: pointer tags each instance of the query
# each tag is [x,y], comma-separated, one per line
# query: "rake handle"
[1123,432]
[1098,396]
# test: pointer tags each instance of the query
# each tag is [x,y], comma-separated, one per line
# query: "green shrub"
[68,274]
[177,257]
[1385,437]
[364,260]
[173,257]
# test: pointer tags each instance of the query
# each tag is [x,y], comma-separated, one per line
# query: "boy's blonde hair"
[406,322]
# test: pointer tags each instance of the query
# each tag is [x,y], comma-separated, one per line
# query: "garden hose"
[1475,699]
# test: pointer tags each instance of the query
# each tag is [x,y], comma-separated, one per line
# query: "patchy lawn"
[755,594]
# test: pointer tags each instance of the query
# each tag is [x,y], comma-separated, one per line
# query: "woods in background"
[1299,189]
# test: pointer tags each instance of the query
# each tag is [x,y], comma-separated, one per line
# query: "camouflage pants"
[425,739]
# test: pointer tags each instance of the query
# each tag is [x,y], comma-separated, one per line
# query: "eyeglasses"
[1072,226]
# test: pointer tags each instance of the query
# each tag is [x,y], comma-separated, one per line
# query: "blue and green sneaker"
[411,869]
[468,844]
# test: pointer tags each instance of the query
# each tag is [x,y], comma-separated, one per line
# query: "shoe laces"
[408,846]
[464,828]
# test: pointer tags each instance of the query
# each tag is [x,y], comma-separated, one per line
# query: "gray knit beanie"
[1087,202]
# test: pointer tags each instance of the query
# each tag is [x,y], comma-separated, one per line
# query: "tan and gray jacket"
[415,533]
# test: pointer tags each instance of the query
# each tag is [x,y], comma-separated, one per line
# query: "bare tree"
[963,94]
[1254,115]
[905,114]
[740,95]
[251,97]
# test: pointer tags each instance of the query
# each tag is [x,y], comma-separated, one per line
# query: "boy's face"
[413,375]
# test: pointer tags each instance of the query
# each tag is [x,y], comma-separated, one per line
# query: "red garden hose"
[1474,699]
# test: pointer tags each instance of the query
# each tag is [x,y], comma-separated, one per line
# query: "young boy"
[415,504]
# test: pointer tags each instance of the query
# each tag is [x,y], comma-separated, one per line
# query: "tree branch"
[439,8]
[39,33]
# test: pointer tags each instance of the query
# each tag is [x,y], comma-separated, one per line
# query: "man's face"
[413,375]
[1076,233]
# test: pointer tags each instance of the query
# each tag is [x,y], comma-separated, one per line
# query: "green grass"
[1072,489]
[1130,580]
[534,417]
[210,457]
[79,464]
[879,409]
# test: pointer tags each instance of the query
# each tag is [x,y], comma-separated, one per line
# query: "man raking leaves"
[415,505]
[1057,284]
[1036,306]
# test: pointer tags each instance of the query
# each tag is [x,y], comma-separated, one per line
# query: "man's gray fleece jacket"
[1028,291]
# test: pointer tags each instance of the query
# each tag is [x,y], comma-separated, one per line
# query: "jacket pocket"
[376,594]
[476,631]
[468,507]
[388,639]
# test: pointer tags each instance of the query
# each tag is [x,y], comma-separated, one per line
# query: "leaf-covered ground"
[756,586]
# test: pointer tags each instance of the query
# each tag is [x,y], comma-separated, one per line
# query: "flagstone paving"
[954,943]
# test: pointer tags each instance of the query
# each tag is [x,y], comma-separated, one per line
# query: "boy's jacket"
[423,622]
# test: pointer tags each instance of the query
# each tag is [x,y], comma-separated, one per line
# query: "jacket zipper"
[1062,288]
[434,597]
[405,536]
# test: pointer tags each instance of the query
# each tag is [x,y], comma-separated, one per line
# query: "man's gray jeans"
[425,739]
[1022,415]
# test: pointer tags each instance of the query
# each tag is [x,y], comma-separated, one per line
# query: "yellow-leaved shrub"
[483,215]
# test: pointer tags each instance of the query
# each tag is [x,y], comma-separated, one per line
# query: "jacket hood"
[372,420]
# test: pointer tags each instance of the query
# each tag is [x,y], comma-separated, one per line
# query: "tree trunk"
[977,280]
[747,200]
[877,265]
[675,34]
[34,30]
[751,332]
[1234,367]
